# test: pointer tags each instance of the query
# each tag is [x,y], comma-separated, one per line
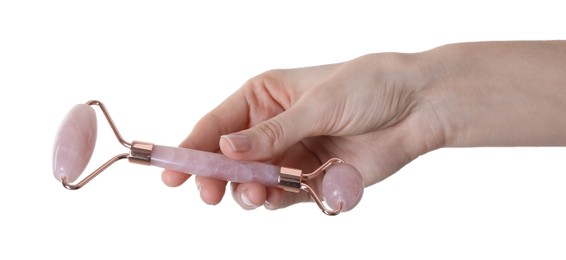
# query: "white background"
[161,65]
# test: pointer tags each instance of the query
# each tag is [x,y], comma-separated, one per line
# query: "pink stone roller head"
[342,184]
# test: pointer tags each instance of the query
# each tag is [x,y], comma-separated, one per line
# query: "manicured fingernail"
[246,201]
[238,143]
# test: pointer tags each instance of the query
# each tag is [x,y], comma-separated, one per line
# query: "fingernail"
[238,143]
[246,201]
[198,184]
[268,205]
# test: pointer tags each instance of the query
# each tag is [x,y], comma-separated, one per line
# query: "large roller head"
[74,143]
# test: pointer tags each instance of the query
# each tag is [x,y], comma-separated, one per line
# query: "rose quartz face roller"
[342,184]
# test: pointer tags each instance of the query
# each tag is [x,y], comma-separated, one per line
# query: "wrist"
[498,93]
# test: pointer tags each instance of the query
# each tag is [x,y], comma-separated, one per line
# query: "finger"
[278,199]
[272,137]
[279,116]
[248,195]
[174,178]
[230,115]
[211,190]
[252,195]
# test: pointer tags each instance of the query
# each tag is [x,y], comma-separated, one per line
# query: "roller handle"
[213,165]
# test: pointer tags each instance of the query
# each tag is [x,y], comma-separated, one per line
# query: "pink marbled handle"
[214,165]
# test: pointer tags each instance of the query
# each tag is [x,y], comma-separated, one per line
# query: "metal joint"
[290,179]
[140,153]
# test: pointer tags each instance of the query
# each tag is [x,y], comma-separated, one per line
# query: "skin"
[380,111]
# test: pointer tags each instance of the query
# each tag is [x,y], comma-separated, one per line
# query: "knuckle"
[270,77]
[273,74]
[273,131]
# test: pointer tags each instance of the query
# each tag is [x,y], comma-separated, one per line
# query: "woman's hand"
[365,111]
[380,111]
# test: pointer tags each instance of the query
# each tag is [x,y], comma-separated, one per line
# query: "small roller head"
[342,183]
[74,143]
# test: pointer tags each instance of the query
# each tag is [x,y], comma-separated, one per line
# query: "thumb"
[269,138]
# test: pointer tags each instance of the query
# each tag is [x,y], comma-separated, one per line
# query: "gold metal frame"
[294,180]
[107,164]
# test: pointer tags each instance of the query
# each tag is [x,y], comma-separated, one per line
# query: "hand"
[380,111]
[365,111]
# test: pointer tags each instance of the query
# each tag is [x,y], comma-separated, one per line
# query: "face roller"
[342,184]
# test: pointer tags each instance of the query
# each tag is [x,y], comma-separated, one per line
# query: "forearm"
[500,93]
